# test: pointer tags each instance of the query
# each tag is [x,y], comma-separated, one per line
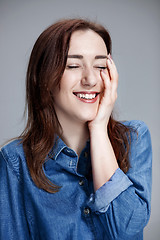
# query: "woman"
[75,172]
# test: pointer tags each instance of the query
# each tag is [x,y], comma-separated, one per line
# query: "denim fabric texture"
[120,209]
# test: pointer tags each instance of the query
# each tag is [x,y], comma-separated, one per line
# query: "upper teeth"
[86,96]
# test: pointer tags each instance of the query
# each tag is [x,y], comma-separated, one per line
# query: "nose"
[89,78]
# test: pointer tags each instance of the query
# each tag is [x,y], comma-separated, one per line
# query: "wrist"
[98,125]
[98,131]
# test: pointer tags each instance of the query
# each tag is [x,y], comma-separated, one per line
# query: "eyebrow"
[81,57]
[100,57]
[75,56]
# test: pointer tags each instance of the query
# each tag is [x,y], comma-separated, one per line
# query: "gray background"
[135,31]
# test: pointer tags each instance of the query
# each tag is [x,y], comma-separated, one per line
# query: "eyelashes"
[76,67]
[102,68]
[72,66]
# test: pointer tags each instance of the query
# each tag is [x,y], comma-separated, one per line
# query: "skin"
[89,69]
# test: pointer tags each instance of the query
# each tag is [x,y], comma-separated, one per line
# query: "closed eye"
[101,67]
[72,66]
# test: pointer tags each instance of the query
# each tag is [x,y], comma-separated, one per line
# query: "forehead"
[86,42]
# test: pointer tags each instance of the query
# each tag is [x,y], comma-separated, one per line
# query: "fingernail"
[109,58]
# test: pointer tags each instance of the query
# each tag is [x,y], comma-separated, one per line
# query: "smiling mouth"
[87,96]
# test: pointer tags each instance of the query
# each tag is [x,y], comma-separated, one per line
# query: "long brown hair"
[46,66]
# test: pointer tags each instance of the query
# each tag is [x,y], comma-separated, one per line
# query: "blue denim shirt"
[120,209]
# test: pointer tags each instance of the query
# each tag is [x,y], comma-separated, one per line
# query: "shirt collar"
[68,158]
[60,146]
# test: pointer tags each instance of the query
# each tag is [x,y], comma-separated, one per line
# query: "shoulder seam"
[10,166]
[145,130]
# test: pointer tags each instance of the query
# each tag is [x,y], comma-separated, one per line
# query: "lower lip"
[88,100]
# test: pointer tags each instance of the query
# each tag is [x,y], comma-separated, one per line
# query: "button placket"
[85,154]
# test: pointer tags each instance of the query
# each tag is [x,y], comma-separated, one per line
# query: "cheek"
[100,82]
[70,79]
[97,74]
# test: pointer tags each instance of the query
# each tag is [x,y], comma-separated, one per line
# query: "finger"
[110,91]
[113,73]
[107,83]
[112,68]
[105,77]
[109,96]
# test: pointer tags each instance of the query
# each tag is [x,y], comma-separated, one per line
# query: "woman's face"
[81,85]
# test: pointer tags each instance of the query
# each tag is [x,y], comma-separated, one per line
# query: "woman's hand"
[104,163]
[107,101]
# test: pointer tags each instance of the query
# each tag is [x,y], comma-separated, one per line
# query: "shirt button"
[68,150]
[86,211]
[81,182]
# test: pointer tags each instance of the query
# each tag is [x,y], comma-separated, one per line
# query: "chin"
[86,115]
[90,117]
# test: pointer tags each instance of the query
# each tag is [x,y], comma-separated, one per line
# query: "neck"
[75,135]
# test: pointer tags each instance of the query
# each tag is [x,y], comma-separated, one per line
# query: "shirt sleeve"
[13,224]
[119,182]
[123,204]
